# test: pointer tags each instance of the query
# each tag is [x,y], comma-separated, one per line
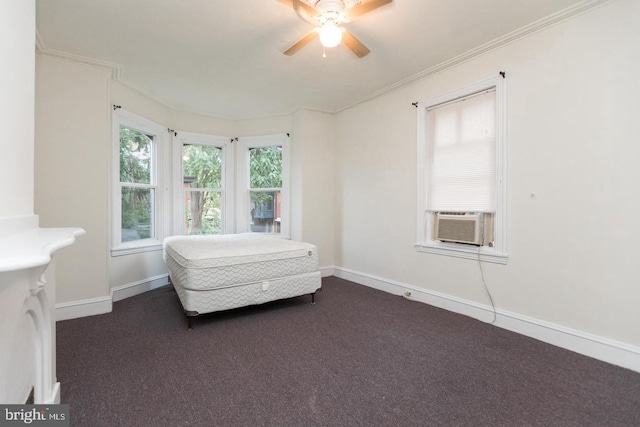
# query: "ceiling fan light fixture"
[330,35]
[331,15]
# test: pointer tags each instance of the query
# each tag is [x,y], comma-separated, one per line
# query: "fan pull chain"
[324,52]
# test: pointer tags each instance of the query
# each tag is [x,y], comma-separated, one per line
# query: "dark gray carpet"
[359,357]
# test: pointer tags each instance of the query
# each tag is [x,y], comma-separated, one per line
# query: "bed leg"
[313,298]
[190,315]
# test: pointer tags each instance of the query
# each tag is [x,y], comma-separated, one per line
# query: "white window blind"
[461,173]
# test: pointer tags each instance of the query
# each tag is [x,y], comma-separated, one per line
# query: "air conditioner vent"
[458,228]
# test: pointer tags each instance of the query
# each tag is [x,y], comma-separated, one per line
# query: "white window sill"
[137,247]
[485,254]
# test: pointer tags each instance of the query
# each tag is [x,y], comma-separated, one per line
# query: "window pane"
[265,211]
[135,156]
[137,213]
[265,167]
[202,166]
[203,212]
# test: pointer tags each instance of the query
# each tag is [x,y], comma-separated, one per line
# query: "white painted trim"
[116,69]
[34,248]
[492,45]
[246,143]
[128,290]
[541,24]
[39,42]
[326,271]
[154,245]
[462,251]
[83,308]
[228,177]
[159,182]
[498,253]
[102,305]
[597,347]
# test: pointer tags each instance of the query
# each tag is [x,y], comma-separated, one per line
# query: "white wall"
[71,169]
[134,101]
[573,139]
[17,41]
[263,126]
[313,181]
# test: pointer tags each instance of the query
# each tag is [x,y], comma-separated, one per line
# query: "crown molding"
[39,42]
[539,25]
[116,69]
[497,43]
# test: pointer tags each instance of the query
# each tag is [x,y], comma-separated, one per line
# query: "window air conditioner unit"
[458,228]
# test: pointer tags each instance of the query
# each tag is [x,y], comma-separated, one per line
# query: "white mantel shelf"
[35,247]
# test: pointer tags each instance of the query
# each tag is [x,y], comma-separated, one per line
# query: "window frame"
[424,242]
[179,139]
[242,180]
[160,206]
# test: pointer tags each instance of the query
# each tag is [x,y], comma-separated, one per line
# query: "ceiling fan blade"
[301,43]
[362,8]
[354,44]
[298,6]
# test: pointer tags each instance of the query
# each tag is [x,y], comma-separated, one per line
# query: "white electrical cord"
[493,307]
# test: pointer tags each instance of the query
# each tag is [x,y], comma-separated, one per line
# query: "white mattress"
[211,262]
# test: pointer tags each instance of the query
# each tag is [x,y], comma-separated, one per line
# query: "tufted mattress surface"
[210,262]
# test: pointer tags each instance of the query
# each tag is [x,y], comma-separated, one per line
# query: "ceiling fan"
[328,16]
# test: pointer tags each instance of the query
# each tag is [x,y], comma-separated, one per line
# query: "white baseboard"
[326,271]
[131,289]
[610,351]
[101,305]
[83,308]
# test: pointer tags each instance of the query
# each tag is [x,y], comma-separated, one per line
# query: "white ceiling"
[224,57]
